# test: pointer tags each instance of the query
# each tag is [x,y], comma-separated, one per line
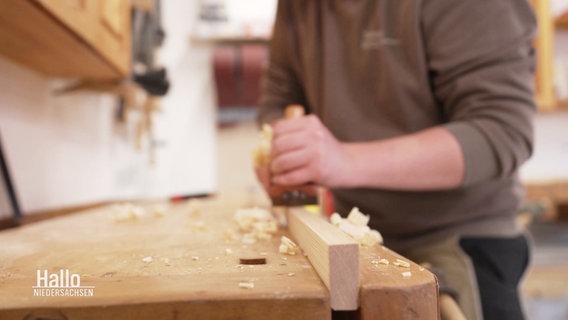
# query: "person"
[420,114]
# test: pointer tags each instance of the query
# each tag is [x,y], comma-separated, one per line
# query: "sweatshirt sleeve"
[280,85]
[481,64]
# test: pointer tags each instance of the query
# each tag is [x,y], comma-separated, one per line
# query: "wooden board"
[334,255]
[386,294]
[109,256]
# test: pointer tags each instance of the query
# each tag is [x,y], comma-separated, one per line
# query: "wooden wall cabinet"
[68,38]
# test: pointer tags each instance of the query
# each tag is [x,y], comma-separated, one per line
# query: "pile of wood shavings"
[256,224]
[356,225]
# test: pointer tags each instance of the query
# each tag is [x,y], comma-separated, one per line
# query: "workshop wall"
[550,155]
[68,150]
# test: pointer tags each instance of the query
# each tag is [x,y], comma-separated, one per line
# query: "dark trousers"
[499,265]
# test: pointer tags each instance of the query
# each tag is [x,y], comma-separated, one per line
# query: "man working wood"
[420,115]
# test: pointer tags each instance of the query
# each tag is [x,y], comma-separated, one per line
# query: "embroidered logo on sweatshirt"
[374,39]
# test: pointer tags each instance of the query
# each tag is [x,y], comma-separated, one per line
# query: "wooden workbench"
[194,271]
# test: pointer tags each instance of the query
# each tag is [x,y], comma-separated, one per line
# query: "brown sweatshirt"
[375,69]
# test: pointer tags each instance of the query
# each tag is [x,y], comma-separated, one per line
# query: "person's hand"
[304,150]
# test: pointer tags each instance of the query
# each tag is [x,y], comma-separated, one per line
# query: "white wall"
[187,164]
[558,6]
[550,158]
[67,150]
[251,11]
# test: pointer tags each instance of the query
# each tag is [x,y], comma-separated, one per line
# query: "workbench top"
[181,261]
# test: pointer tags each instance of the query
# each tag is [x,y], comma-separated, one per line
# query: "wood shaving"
[195,258]
[159,210]
[401,263]
[148,259]
[246,285]
[256,224]
[228,251]
[127,212]
[261,153]
[371,238]
[406,274]
[291,274]
[380,261]
[287,246]
[357,218]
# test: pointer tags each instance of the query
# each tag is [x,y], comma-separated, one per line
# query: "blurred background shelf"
[81,38]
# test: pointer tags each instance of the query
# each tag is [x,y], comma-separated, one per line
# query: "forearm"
[428,160]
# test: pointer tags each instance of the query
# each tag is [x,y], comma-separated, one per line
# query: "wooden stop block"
[332,253]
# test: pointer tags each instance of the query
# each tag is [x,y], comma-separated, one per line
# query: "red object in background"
[254,59]
[238,70]
[327,205]
[223,69]
[180,198]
